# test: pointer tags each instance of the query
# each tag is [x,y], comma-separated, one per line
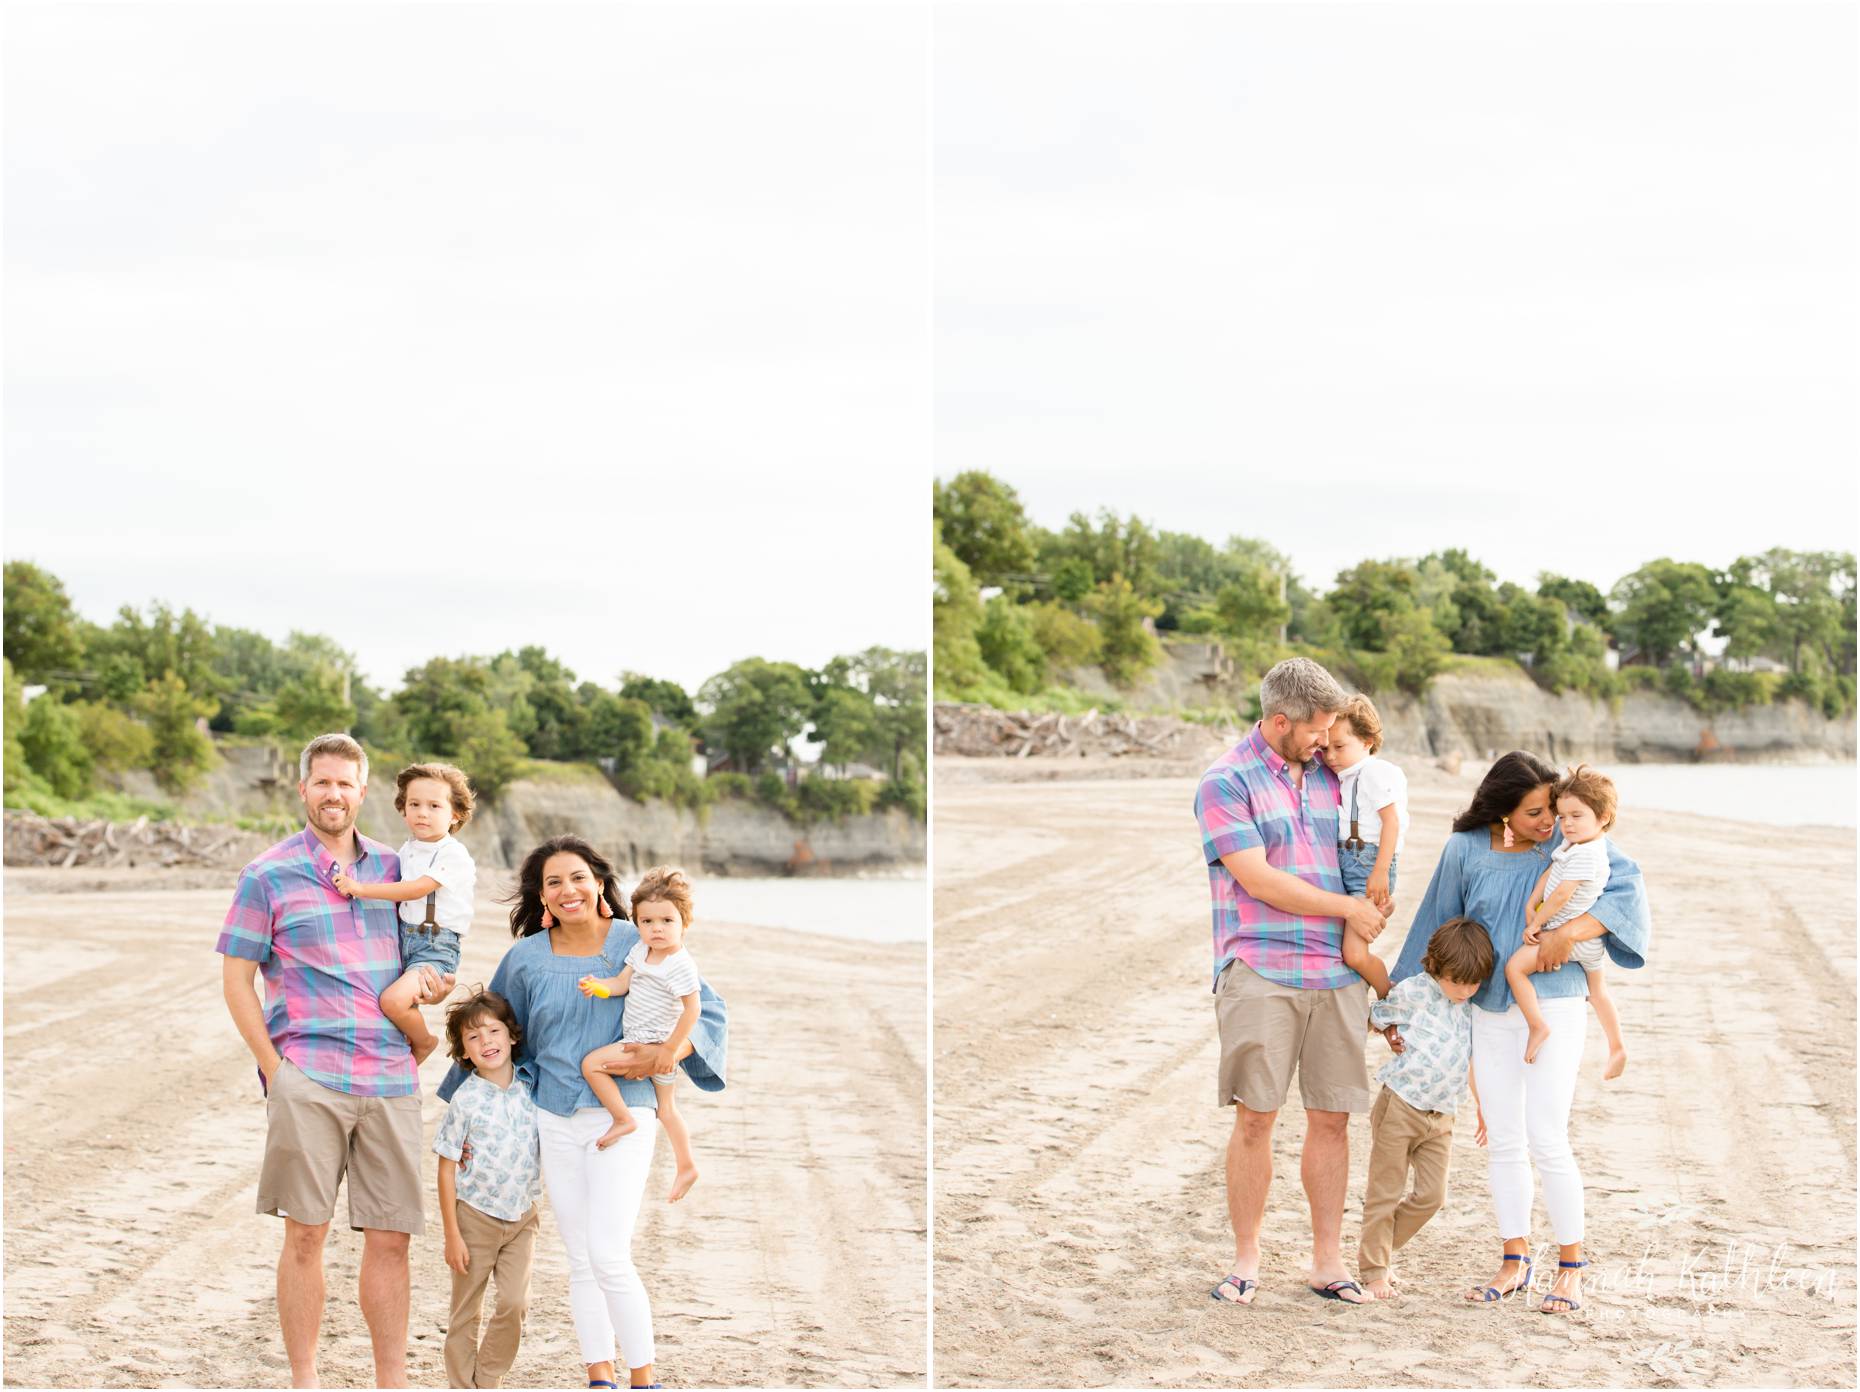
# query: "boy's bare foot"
[615,1132]
[1539,1034]
[423,1047]
[1617,1061]
[682,1181]
[1385,1289]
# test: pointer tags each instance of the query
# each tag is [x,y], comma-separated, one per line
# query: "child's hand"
[1377,891]
[456,1256]
[593,986]
[344,885]
[1532,933]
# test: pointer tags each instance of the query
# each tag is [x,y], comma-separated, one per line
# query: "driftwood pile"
[63,842]
[981,731]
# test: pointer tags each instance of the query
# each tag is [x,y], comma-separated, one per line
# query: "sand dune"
[134,1128]
[1079,1204]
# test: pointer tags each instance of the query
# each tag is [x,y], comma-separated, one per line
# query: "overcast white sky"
[447,328]
[1570,285]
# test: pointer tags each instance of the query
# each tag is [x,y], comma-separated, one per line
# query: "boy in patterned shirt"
[1411,1124]
[489,1206]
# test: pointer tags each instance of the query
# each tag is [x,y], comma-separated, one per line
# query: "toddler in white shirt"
[1371,821]
[1568,888]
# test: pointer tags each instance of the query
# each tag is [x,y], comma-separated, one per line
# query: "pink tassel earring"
[549,922]
[1510,840]
[605,911]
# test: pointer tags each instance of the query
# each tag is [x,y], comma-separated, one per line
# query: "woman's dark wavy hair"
[526,905]
[1504,786]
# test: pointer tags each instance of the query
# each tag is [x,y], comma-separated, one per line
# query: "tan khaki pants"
[1403,1138]
[493,1247]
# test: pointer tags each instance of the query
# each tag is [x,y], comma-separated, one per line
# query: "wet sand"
[1080,1207]
[134,1126]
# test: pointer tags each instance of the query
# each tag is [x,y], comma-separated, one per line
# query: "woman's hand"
[456,1256]
[643,1060]
[1479,1130]
[1553,949]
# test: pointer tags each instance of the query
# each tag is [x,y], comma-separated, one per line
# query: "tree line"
[136,693]
[1100,590]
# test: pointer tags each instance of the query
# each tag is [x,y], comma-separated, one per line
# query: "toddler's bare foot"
[682,1181]
[1539,1033]
[1385,1289]
[423,1047]
[615,1132]
[1617,1061]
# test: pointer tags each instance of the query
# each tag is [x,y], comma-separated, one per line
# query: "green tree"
[667,699]
[43,637]
[1130,649]
[311,704]
[182,751]
[488,751]
[1418,648]
[19,774]
[117,742]
[53,742]
[1663,607]
[162,643]
[1578,596]
[983,522]
[754,707]
[1009,647]
[956,615]
[1367,599]
[1249,606]
[439,699]
[845,724]
[1068,639]
[1110,546]
[613,727]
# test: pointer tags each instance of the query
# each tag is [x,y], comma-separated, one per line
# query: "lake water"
[1778,794]
[875,910]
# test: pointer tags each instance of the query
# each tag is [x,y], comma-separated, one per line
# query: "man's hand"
[1393,1034]
[1365,919]
[456,1256]
[1553,949]
[277,1062]
[434,987]
[643,1060]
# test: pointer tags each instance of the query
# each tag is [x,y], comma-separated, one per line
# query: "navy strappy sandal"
[1492,1293]
[1568,1305]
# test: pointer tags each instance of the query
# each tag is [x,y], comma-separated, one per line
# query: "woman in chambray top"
[1486,872]
[570,921]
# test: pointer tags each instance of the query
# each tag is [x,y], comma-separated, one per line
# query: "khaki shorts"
[1268,1030]
[314,1135]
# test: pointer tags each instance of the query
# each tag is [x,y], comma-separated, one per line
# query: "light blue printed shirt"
[505,1174]
[1430,1071]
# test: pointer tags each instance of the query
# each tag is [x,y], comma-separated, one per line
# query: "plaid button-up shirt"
[326,960]
[1247,799]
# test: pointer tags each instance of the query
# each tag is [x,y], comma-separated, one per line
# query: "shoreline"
[134,1257]
[1080,1205]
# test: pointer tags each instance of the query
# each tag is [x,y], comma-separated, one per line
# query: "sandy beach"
[1080,1213]
[134,1126]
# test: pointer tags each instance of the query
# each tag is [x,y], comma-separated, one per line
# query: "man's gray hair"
[340,745]
[1298,689]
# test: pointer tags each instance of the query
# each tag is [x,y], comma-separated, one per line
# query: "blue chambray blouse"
[1491,887]
[561,1026]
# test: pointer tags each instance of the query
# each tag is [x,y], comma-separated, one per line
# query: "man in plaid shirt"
[1283,998]
[342,1093]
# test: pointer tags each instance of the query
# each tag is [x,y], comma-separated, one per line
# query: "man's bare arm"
[238,976]
[1289,894]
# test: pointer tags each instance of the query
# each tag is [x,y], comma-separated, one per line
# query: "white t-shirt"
[1587,862]
[1375,783]
[447,861]
[654,996]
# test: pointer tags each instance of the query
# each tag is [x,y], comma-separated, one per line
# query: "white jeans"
[596,1196]
[1526,1107]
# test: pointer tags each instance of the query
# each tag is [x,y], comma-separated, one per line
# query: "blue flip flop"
[1241,1287]
[1330,1292]
[1569,1305]
[1492,1293]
